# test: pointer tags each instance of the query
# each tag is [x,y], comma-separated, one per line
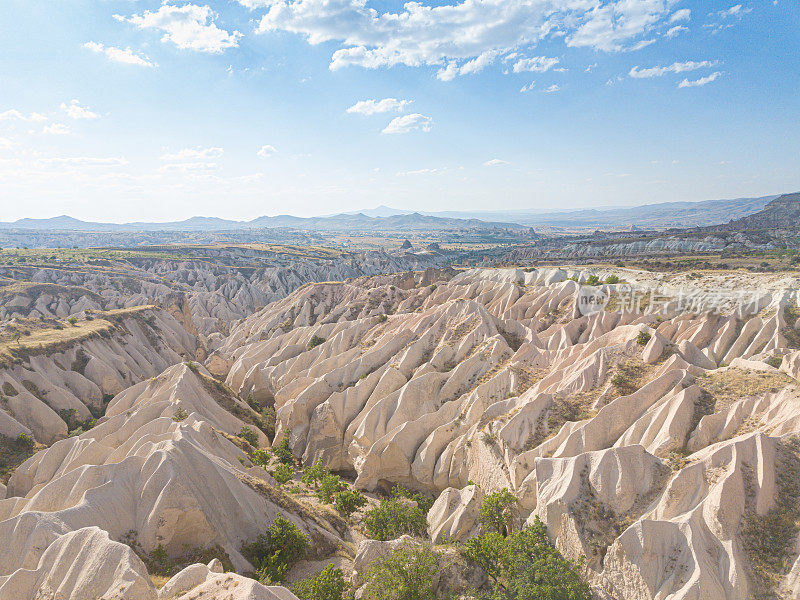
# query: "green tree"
[262,456]
[348,501]
[313,474]
[282,473]
[179,415]
[406,574]
[329,584]
[315,341]
[497,511]
[328,486]
[393,518]
[249,435]
[274,552]
[526,566]
[283,452]
[424,501]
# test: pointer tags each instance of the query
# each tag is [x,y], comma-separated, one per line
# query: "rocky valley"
[257,422]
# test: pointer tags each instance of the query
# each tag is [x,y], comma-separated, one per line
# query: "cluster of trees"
[520,563]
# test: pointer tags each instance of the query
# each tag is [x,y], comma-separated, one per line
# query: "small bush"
[328,486]
[592,280]
[73,321]
[192,366]
[526,566]
[643,338]
[382,318]
[283,452]
[612,279]
[406,574]
[497,511]
[393,518]
[268,420]
[315,341]
[249,435]
[25,442]
[424,502]
[348,501]
[774,361]
[179,414]
[328,584]
[314,474]
[274,552]
[262,456]
[282,473]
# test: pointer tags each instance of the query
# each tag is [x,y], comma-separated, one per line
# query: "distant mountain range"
[658,216]
[383,218]
[341,222]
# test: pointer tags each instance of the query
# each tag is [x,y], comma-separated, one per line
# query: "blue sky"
[119,110]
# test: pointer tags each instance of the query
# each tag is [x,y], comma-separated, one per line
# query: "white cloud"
[6,144]
[253,4]
[267,151]
[590,68]
[126,56]
[495,162]
[673,31]
[85,161]
[420,172]
[677,67]
[407,123]
[189,27]
[537,64]
[373,107]
[699,82]
[528,87]
[56,129]
[468,30]
[477,64]
[189,167]
[734,11]
[13,114]
[553,88]
[75,111]
[683,14]
[194,154]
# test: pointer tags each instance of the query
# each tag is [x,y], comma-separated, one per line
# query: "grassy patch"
[14,452]
[769,539]
[729,386]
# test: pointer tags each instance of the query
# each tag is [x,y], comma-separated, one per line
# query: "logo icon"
[592,299]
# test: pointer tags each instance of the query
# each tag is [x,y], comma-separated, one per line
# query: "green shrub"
[268,420]
[282,473]
[774,361]
[262,456]
[526,566]
[179,415]
[313,474]
[382,318]
[274,552]
[643,338]
[249,435]
[406,574]
[612,279]
[25,442]
[283,452]
[348,501]
[592,280]
[328,584]
[423,501]
[393,518]
[73,321]
[497,511]
[328,486]
[315,341]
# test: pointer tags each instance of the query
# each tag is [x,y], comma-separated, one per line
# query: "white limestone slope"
[597,423]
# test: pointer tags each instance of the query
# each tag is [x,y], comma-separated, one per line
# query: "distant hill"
[781,213]
[342,222]
[664,215]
